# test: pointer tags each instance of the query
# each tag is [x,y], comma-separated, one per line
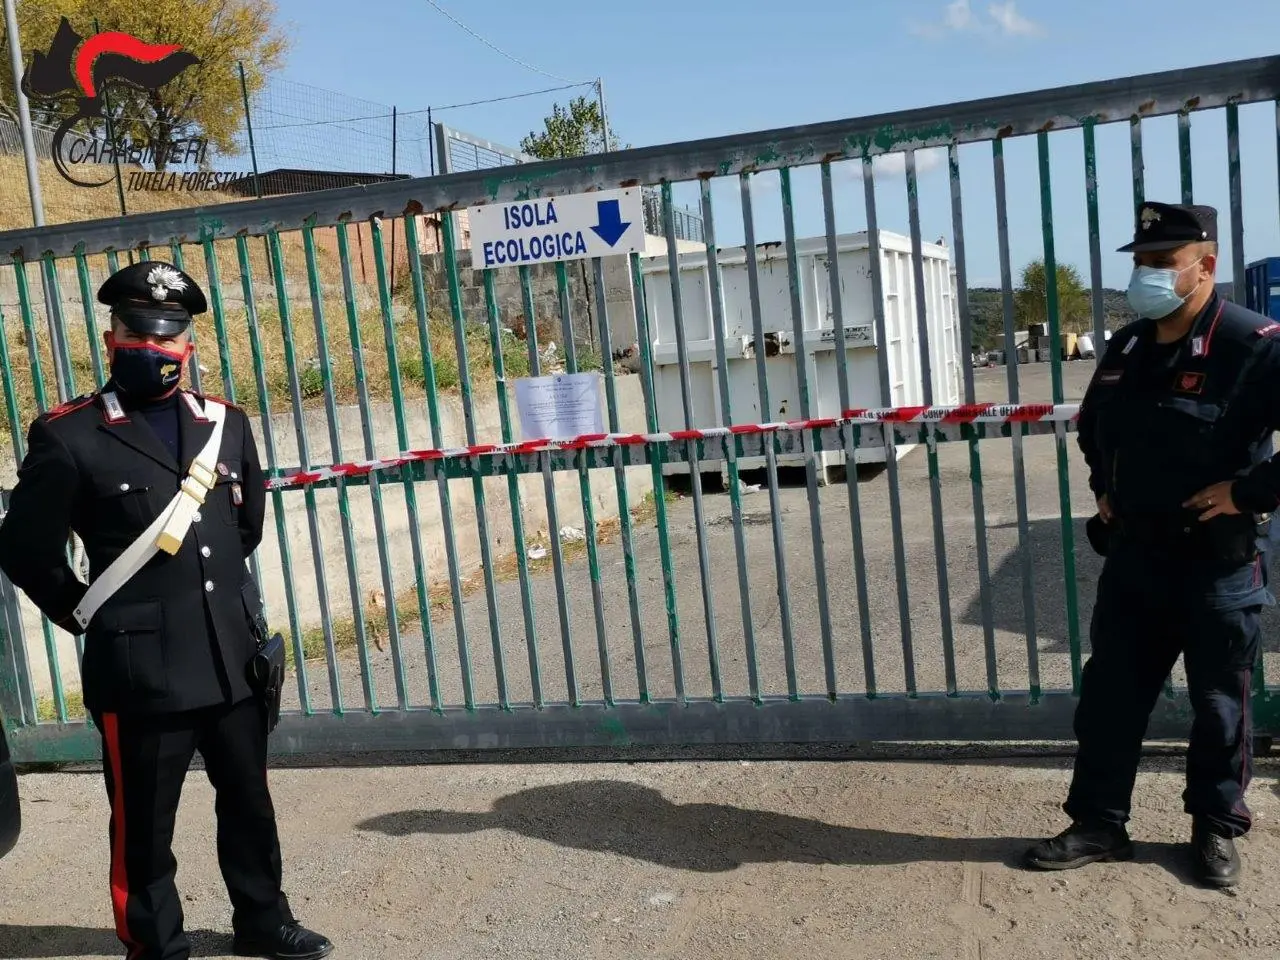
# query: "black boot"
[1216,861]
[291,942]
[1078,845]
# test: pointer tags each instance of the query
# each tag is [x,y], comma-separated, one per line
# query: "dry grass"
[439,598]
[21,329]
[439,594]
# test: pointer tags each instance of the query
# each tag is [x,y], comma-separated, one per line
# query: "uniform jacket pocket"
[133,637]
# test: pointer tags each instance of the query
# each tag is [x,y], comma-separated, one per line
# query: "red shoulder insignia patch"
[1270,330]
[62,409]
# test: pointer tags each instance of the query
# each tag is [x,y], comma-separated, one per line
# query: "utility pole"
[24,113]
[604,117]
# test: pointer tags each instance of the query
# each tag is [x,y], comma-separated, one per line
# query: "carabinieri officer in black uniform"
[1176,429]
[167,615]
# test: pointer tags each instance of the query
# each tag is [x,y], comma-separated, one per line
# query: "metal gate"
[445,586]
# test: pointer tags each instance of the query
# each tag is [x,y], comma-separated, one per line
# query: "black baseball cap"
[1167,226]
[152,297]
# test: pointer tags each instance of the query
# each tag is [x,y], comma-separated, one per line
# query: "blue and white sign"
[606,223]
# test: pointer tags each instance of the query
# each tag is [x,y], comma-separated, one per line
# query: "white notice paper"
[560,407]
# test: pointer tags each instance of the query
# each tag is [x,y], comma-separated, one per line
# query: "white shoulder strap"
[169,529]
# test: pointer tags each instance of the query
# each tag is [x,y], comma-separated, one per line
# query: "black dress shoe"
[1216,860]
[1078,845]
[291,942]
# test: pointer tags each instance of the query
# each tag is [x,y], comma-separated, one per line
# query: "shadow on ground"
[638,822]
[52,941]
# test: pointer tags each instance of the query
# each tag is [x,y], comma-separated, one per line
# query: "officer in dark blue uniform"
[1176,430]
[168,510]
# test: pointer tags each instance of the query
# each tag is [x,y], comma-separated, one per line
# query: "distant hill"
[986,307]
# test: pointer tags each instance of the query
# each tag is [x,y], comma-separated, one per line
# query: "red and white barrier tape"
[995,413]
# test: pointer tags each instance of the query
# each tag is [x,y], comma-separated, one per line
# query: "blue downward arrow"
[610,228]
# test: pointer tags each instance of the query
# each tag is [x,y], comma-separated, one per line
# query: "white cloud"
[1003,19]
[959,15]
[895,164]
[1012,23]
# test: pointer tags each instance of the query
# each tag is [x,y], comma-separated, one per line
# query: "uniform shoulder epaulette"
[222,401]
[70,406]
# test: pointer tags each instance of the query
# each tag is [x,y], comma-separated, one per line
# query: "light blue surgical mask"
[1152,291]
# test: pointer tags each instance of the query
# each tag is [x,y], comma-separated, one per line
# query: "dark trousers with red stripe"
[145,761]
[1148,610]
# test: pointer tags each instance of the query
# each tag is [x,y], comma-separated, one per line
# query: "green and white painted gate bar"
[498,675]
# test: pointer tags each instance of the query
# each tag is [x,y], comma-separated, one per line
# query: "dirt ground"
[723,860]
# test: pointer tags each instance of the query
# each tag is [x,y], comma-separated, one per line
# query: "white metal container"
[818,347]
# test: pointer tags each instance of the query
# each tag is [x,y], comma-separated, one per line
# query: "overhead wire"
[494,47]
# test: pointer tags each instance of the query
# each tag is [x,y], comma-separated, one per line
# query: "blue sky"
[679,70]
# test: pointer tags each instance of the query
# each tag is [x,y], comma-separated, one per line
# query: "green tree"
[572,132]
[203,101]
[1031,301]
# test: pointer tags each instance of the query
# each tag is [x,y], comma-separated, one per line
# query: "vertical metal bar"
[402,439]
[890,437]
[836,285]
[375,482]
[1184,155]
[549,487]
[59,348]
[38,387]
[218,309]
[11,409]
[1136,162]
[931,444]
[175,251]
[304,458]
[513,485]
[1011,366]
[477,483]
[1060,436]
[113,261]
[975,456]
[726,419]
[335,455]
[620,482]
[770,444]
[1237,203]
[91,330]
[28,712]
[277,499]
[584,481]
[806,412]
[16,432]
[446,512]
[657,455]
[1095,246]
[695,472]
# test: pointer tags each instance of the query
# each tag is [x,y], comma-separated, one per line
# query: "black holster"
[266,677]
[265,670]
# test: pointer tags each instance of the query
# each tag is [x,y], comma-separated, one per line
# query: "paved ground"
[1011,625]
[853,860]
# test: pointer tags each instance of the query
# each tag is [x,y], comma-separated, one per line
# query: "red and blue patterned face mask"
[146,371]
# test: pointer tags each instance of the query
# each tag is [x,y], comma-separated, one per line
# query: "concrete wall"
[398,522]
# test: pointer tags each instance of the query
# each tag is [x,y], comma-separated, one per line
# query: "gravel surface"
[717,860]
